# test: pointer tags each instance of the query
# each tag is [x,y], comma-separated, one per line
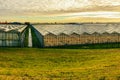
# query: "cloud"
[54,5]
[48,8]
[42,5]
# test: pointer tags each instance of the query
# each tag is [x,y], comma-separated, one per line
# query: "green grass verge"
[59,64]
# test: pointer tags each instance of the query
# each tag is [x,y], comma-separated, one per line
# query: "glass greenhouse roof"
[89,28]
[12,28]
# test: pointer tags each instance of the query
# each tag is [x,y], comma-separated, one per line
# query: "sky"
[60,10]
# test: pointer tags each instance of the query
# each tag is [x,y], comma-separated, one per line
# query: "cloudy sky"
[59,10]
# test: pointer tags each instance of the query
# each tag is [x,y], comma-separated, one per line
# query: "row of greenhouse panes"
[79,29]
[12,28]
[9,39]
[9,43]
[12,35]
[8,36]
[75,39]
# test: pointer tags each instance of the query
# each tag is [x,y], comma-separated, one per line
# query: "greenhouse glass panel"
[11,35]
[77,34]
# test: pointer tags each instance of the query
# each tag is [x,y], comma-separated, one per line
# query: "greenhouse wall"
[12,35]
[60,40]
[9,39]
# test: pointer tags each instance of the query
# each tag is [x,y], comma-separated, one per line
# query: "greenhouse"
[77,34]
[12,35]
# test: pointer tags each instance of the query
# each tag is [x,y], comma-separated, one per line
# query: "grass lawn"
[59,64]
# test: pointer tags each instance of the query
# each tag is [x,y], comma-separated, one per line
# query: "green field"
[59,64]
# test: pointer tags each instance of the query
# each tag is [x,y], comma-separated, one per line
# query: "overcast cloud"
[54,5]
[46,7]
